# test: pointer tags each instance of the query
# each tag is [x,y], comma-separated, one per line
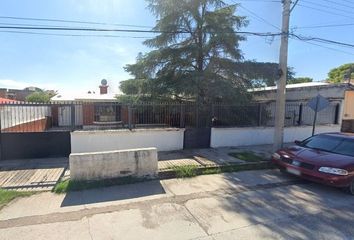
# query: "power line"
[325,11]
[327,26]
[259,17]
[84,35]
[333,49]
[323,40]
[171,32]
[348,1]
[327,6]
[71,21]
[123,30]
[339,4]
[294,5]
[73,35]
[30,25]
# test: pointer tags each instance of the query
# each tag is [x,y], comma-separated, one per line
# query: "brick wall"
[34,126]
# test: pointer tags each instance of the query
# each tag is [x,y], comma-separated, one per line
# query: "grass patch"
[192,170]
[7,196]
[70,185]
[247,156]
[246,167]
[213,170]
[237,168]
[185,171]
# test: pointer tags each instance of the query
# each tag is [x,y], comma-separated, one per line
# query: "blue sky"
[77,64]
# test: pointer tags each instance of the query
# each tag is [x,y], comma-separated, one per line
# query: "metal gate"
[27,145]
[196,138]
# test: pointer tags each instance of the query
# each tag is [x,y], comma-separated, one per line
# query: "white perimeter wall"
[233,137]
[112,164]
[111,140]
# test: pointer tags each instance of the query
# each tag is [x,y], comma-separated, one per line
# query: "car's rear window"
[333,144]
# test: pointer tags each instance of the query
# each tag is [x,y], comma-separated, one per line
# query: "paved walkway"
[32,175]
[245,205]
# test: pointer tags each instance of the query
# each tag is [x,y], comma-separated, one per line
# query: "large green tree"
[195,53]
[40,96]
[342,73]
[261,74]
[299,80]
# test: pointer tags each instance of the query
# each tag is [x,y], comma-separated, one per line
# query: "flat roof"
[84,97]
[296,85]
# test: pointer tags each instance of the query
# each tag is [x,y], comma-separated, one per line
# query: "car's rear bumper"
[315,175]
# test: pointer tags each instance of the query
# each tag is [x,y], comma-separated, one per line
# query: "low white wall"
[113,164]
[233,137]
[110,140]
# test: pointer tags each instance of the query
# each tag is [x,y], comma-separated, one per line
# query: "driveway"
[245,205]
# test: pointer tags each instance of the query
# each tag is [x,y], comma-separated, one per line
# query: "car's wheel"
[351,188]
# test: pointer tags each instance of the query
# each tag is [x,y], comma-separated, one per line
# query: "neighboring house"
[20,94]
[16,94]
[6,100]
[341,97]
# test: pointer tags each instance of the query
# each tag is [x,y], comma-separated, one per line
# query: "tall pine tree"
[195,52]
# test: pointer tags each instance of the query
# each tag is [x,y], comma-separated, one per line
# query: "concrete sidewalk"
[245,205]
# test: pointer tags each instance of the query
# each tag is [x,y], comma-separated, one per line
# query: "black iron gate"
[34,145]
[197,138]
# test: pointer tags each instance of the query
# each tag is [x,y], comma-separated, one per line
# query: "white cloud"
[9,83]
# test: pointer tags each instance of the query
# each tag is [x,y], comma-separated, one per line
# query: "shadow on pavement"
[304,211]
[114,193]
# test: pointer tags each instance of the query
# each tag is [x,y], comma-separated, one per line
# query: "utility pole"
[283,72]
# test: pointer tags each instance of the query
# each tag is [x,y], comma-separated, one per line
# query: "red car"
[324,158]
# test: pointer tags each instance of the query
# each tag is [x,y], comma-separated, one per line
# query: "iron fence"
[263,114]
[39,117]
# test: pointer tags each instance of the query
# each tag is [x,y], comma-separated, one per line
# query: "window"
[346,147]
[331,144]
[107,113]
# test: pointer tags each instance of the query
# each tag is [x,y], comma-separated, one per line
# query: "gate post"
[299,121]
[259,114]
[336,114]
[72,116]
[181,116]
[130,117]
